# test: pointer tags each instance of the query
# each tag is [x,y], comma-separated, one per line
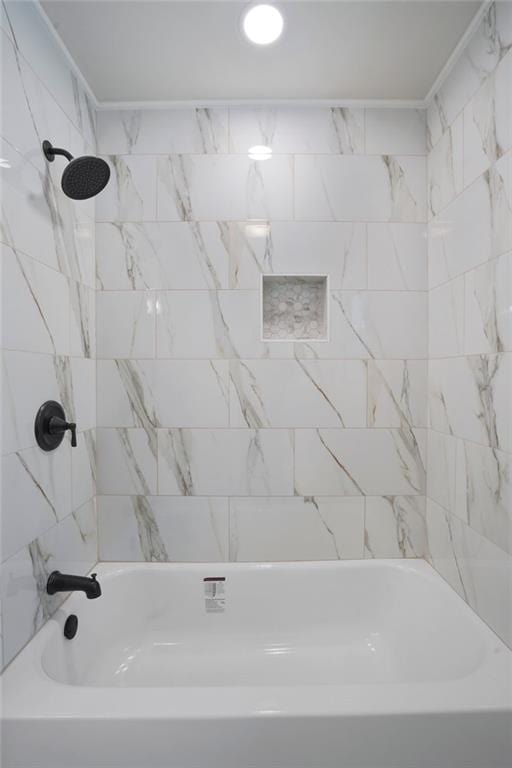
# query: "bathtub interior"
[284,625]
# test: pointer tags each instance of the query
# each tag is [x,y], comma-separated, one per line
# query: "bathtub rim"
[29,693]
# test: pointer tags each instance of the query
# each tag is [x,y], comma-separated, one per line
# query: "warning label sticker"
[215,594]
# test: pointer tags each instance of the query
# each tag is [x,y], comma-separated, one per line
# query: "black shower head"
[84,177]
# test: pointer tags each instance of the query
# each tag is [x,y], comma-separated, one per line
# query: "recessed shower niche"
[294,307]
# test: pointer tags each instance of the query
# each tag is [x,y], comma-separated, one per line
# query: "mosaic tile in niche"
[294,307]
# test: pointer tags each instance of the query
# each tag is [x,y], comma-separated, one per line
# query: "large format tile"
[293,247]
[163,393]
[487,315]
[212,188]
[478,570]
[397,257]
[488,122]
[349,188]
[395,526]
[484,492]
[28,381]
[446,319]
[298,130]
[125,323]
[162,255]
[163,131]
[130,194]
[475,227]
[35,305]
[326,393]
[163,529]
[396,132]
[470,398]
[352,462]
[491,41]
[71,547]
[397,393]
[441,469]
[229,462]
[36,493]
[277,529]
[378,324]
[213,324]
[445,168]
[127,461]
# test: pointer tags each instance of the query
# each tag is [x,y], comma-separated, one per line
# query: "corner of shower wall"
[48,332]
[469,468]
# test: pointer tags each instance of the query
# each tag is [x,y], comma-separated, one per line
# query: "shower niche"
[294,307]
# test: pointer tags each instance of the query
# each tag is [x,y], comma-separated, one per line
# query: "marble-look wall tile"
[397,393]
[179,255]
[126,324]
[40,221]
[71,547]
[476,227]
[395,526]
[213,324]
[373,324]
[488,46]
[488,122]
[82,330]
[130,194]
[163,393]
[213,188]
[83,469]
[446,319]
[36,45]
[163,529]
[326,393]
[29,380]
[384,188]
[82,397]
[478,570]
[352,462]
[396,132]
[335,131]
[441,469]
[470,398]
[36,494]
[293,247]
[229,462]
[127,461]
[32,319]
[397,257]
[487,312]
[311,528]
[445,168]
[484,492]
[163,131]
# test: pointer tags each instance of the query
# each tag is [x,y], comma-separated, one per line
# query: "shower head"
[84,177]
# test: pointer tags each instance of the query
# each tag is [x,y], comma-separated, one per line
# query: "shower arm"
[50,152]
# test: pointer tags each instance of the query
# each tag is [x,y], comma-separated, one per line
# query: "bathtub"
[375,664]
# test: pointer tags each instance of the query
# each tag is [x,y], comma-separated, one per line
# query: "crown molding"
[234,103]
[457,51]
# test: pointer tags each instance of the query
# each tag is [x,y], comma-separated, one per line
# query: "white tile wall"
[48,335]
[230,427]
[469,512]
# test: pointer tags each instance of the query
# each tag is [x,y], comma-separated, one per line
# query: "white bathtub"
[305,665]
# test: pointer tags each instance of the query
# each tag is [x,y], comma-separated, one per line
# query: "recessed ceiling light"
[262,24]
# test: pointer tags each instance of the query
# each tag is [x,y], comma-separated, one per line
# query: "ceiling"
[141,50]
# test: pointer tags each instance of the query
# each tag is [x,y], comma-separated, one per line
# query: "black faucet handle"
[57,426]
[72,427]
